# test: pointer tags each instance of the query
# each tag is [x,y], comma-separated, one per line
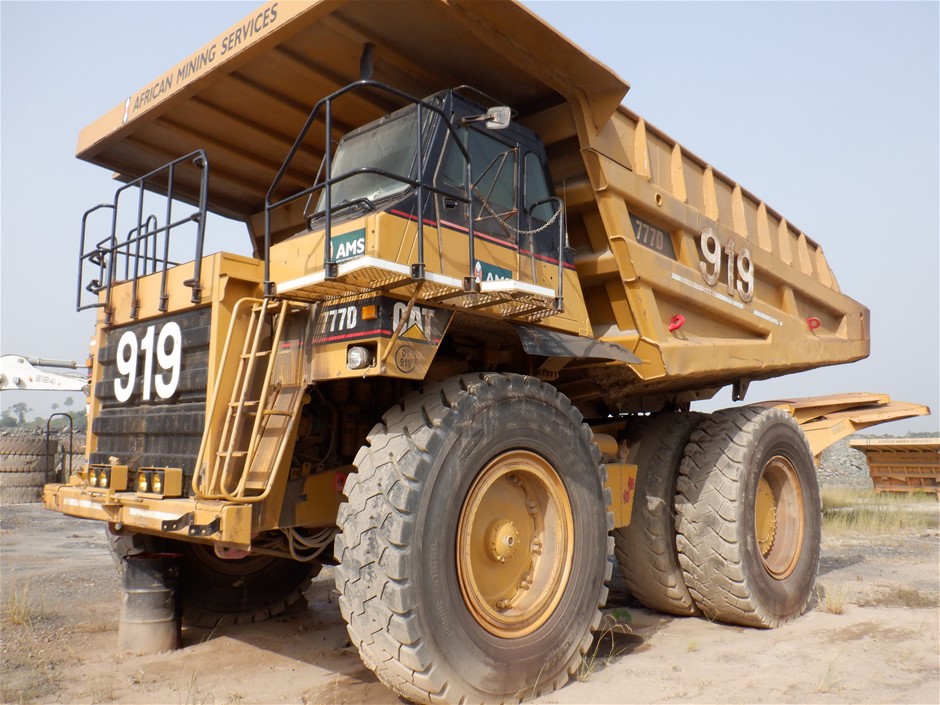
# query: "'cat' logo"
[419,320]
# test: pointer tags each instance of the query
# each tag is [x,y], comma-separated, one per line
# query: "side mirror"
[498,117]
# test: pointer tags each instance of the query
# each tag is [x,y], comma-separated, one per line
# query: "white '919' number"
[169,354]
[739,270]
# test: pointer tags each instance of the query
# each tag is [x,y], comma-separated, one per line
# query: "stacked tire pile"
[27,463]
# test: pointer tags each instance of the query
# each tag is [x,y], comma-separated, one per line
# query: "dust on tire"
[646,548]
[718,486]
[398,584]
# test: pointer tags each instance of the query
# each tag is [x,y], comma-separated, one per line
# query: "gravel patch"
[842,465]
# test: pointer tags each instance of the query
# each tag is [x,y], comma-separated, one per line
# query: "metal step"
[507,298]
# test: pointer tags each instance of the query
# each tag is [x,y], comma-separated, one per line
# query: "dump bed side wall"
[646,186]
[902,464]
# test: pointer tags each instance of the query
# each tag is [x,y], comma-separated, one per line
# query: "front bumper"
[223,523]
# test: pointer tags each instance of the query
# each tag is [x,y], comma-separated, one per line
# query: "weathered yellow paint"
[391,246]
[828,419]
[321,499]
[147,514]
[902,464]
[621,480]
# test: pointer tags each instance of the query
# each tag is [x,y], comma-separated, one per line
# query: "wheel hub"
[505,540]
[516,507]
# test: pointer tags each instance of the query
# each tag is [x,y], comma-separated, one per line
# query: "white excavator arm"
[18,372]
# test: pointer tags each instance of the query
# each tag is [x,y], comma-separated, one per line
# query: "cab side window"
[536,191]
[493,178]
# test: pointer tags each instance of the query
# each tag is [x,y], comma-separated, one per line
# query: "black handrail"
[64,477]
[326,104]
[145,236]
[95,256]
[562,216]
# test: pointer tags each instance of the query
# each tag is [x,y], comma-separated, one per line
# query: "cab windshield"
[388,146]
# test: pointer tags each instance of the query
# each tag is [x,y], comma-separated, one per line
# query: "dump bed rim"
[158,119]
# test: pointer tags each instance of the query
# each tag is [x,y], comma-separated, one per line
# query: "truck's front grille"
[151,414]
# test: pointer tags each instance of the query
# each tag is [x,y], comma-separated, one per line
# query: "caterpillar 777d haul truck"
[459,365]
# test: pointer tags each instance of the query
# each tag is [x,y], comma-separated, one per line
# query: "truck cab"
[440,192]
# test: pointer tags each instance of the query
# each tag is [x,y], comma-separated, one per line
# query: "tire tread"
[707,504]
[646,549]
[382,500]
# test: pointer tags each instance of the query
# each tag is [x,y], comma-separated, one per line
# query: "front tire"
[749,517]
[474,545]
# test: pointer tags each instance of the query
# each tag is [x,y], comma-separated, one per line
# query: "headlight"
[108,477]
[160,483]
[358,357]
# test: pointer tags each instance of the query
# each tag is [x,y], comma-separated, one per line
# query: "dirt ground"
[57,576]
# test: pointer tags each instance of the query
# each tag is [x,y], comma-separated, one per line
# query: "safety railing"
[419,182]
[144,249]
[50,464]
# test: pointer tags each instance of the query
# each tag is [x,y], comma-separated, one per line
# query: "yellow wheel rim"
[779,517]
[766,517]
[515,543]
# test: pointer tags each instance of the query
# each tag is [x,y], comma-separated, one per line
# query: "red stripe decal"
[412,218]
[351,336]
[454,226]
[383,333]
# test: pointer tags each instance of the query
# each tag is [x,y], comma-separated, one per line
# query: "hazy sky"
[827,111]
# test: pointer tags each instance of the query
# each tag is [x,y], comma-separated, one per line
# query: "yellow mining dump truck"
[460,363]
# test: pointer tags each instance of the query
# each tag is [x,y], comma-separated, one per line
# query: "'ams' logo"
[486,272]
[348,245]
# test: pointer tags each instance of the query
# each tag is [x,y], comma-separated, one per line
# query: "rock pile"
[840,464]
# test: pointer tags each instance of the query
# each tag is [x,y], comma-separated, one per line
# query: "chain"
[510,228]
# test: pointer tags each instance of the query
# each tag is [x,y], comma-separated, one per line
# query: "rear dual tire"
[646,548]
[749,517]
